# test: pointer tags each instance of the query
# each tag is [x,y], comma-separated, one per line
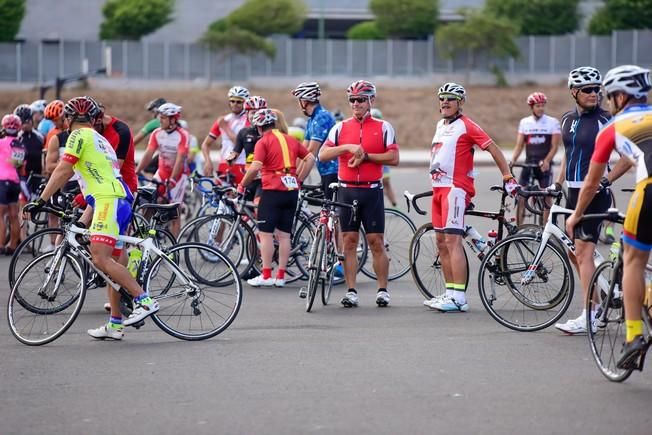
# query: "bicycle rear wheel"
[41,310]
[327,282]
[195,303]
[609,336]
[314,266]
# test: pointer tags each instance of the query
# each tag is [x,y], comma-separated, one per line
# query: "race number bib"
[290,182]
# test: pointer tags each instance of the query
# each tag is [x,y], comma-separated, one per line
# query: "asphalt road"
[280,370]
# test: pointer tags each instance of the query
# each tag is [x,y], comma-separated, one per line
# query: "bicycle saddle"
[164,212]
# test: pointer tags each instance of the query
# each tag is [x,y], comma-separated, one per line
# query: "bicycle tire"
[28,250]
[609,336]
[425,264]
[39,329]
[327,282]
[314,266]
[175,305]
[530,302]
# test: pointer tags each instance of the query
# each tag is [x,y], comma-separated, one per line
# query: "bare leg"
[351,239]
[585,263]
[389,192]
[4,209]
[633,281]
[284,247]
[14,225]
[101,255]
[456,256]
[266,248]
[444,257]
[380,260]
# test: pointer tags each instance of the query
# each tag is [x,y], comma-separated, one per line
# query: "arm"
[139,137]
[304,166]
[251,173]
[147,157]
[562,171]
[520,141]
[206,152]
[59,177]
[556,140]
[327,153]
[622,166]
[389,157]
[178,164]
[499,158]
[52,155]
[124,142]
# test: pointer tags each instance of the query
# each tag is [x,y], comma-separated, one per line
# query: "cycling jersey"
[120,138]
[151,125]
[45,126]
[578,132]
[375,135]
[169,144]
[95,164]
[278,154]
[317,128]
[32,141]
[246,141]
[236,123]
[451,158]
[7,168]
[538,136]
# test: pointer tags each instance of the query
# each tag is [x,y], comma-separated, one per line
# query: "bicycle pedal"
[138,325]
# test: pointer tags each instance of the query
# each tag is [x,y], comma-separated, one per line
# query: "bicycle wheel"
[525,307]
[195,304]
[301,244]
[399,230]
[41,310]
[425,264]
[314,266]
[606,302]
[327,282]
[29,249]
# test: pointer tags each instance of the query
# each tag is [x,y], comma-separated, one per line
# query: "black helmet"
[24,112]
[155,104]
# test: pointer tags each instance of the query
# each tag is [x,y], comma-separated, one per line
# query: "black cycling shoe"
[633,354]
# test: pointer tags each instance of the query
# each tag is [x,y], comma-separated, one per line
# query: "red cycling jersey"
[236,123]
[119,136]
[169,145]
[375,135]
[278,154]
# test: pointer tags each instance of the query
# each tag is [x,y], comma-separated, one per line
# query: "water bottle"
[491,237]
[477,239]
[614,251]
[135,256]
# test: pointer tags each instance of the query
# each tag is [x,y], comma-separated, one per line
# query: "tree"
[12,13]
[267,17]
[406,18]
[480,31]
[538,17]
[621,15]
[133,19]
[365,30]
[236,40]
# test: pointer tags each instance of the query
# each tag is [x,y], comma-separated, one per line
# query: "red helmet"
[82,109]
[54,110]
[255,103]
[536,98]
[11,123]
[361,88]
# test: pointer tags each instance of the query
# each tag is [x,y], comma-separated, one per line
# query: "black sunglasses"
[236,101]
[590,89]
[448,99]
[357,100]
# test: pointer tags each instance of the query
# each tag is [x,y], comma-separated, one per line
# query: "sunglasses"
[357,100]
[442,98]
[236,101]
[590,90]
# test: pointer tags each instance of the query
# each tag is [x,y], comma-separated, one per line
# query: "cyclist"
[227,127]
[54,112]
[193,147]
[540,134]
[152,124]
[171,142]
[32,141]
[11,158]
[579,127]
[91,157]
[320,122]
[362,145]
[451,169]
[628,133]
[387,184]
[276,156]
[40,121]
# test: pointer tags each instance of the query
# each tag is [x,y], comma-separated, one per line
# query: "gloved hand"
[79,201]
[33,207]
[511,186]
[604,183]
[554,187]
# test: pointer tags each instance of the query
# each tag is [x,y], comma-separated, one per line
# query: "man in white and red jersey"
[227,127]
[363,145]
[541,136]
[171,142]
[451,170]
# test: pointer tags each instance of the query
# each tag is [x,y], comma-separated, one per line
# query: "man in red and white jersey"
[363,145]
[227,127]
[171,142]
[451,171]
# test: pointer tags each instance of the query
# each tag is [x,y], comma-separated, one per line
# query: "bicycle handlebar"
[412,198]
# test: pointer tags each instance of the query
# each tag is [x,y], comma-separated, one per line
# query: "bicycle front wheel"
[29,249]
[41,309]
[605,299]
[315,266]
[189,284]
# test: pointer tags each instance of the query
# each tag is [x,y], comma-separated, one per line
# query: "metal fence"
[37,62]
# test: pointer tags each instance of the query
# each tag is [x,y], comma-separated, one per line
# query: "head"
[451,99]
[54,112]
[584,84]
[152,106]
[625,85]
[101,119]
[537,102]
[38,109]
[264,119]
[361,95]
[25,113]
[254,104]
[237,96]
[81,112]
[11,124]
[307,94]
[169,115]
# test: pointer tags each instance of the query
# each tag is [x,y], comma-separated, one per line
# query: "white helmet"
[630,79]
[452,89]
[38,106]
[582,76]
[238,92]
[264,117]
[308,91]
[299,122]
[169,109]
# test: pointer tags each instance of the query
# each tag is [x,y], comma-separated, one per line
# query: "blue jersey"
[319,124]
[45,126]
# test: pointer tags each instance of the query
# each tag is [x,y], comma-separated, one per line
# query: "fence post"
[288,56]
[430,54]
[207,63]
[40,62]
[61,58]
[19,62]
[553,46]
[329,56]
[531,54]
[82,50]
[370,57]
[593,48]
[635,47]
[125,59]
[572,51]
[309,57]
[145,60]
[349,57]
[390,57]
[186,61]
[410,58]
[614,42]
[166,60]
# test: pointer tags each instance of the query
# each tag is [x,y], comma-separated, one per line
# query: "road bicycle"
[198,298]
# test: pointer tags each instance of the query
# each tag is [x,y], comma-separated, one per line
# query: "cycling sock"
[609,231]
[382,289]
[280,274]
[634,328]
[115,322]
[267,273]
[352,290]
[449,289]
[141,298]
[459,293]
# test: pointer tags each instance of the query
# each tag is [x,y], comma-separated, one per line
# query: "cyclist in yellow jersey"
[93,160]
[629,133]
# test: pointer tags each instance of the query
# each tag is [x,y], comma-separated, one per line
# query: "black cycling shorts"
[9,192]
[276,210]
[371,209]
[589,231]
[326,180]
[544,178]
[254,190]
